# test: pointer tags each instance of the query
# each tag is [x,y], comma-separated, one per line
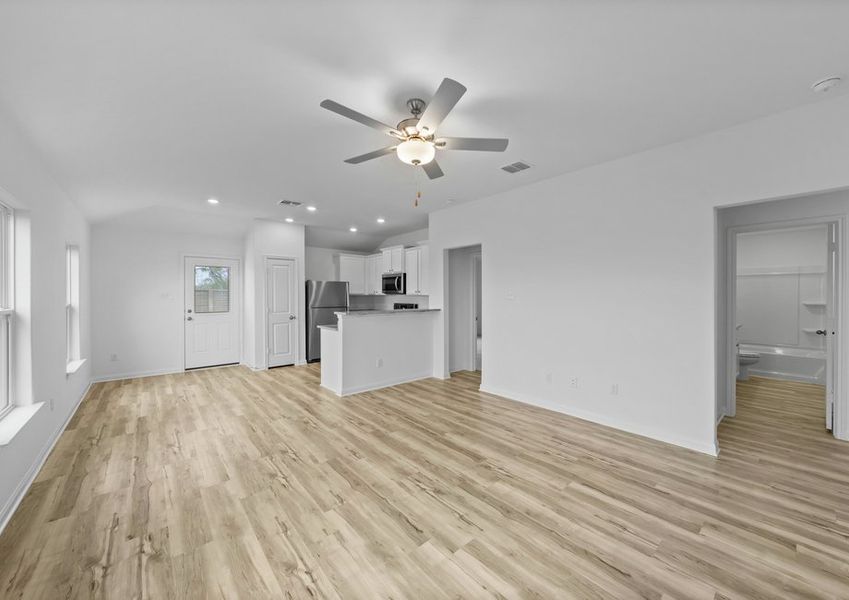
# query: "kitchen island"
[371,349]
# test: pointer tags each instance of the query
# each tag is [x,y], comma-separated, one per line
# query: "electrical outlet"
[614,389]
[548,377]
[573,382]
[113,357]
[379,362]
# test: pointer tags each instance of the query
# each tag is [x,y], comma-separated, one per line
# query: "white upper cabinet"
[374,270]
[393,259]
[352,268]
[416,260]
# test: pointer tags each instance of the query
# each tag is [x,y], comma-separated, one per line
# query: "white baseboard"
[136,375]
[23,487]
[785,376]
[662,436]
[347,391]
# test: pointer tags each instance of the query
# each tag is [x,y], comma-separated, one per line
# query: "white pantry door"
[282,307]
[211,317]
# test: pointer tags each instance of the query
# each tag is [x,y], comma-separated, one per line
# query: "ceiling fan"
[417,140]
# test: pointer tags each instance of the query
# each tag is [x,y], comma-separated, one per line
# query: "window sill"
[13,422]
[74,366]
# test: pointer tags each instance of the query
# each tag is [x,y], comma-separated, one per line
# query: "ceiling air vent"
[516,167]
[289,203]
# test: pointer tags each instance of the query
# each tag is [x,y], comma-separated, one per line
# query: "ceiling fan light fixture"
[416,151]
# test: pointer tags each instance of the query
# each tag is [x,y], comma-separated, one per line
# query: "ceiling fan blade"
[480,144]
[446,96]
[376,154]
[432,169]
[360,118]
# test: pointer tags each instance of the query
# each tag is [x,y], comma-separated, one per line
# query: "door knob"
[188,318]
[291,317]
[821,331]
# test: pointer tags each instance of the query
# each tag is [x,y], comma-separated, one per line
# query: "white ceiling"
[144,107]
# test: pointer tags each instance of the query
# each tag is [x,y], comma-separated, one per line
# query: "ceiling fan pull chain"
[418,188]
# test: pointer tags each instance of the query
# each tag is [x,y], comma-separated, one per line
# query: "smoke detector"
[826,85]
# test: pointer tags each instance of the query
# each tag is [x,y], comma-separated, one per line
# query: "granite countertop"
[370,313]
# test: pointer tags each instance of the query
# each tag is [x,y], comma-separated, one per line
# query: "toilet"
[744,361]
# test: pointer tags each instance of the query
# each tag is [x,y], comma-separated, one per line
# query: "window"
[72,307]
[6,312]
[212,289]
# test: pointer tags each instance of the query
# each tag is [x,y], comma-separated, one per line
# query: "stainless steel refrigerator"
[324,300]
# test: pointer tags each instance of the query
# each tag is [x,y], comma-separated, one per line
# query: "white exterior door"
[211,319]
[282,306]
[831,323]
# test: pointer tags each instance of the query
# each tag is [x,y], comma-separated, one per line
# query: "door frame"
[240,295]
[840,402]
[477,265]
[298,310]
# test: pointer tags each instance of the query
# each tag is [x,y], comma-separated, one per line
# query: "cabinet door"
[424,274]
[387,261]
[411,263]
[353,270]
[369,275]
[398,260]
[377,274]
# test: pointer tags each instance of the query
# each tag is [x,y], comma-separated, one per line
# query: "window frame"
[7,311]
[73,358]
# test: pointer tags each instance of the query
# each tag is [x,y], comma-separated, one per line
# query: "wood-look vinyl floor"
[233,484]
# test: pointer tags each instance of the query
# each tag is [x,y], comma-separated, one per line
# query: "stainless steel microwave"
[395,283]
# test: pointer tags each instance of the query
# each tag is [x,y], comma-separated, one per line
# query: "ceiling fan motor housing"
[408,126]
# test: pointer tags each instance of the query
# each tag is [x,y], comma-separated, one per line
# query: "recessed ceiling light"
[825,85]
[212,200]
[353,230]
[381,220]
[290,220]
[311,208]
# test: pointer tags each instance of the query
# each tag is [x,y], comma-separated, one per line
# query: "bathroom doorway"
[477,329]
[783,285]
[465,323]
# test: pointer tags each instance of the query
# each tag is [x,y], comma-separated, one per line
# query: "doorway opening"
[783,317]
[465,316]
[477,330]
[212,317]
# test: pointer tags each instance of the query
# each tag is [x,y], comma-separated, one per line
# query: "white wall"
[321,263]
[785,248]
[608,274]
[461,308]
[137,291]
[55,222]
[278,240]
[406,239]
[777,271]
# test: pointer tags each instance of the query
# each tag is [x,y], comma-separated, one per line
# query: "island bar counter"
[367,350]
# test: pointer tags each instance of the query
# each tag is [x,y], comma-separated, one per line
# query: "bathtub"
[795,364]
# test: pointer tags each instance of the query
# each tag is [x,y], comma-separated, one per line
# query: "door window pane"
[212,289]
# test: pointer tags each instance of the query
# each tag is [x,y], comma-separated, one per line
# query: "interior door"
[831,322]
[211,319]
[282,305]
